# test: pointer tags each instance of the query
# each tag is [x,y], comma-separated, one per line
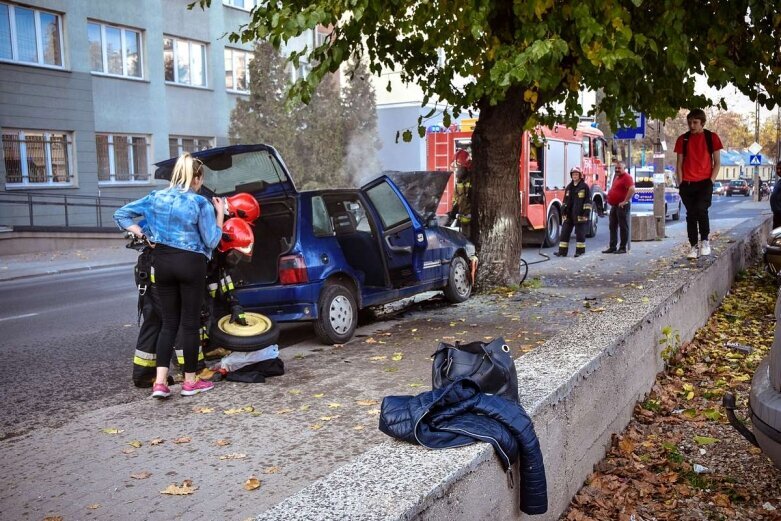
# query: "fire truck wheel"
[338,314]
[458,286]
[261,331]
[592,221]
[553,228]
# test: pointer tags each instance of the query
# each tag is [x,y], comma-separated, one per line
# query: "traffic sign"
[636,132]
[755,148]
[755,160]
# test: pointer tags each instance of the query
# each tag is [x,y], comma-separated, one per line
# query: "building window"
[37,158]
[185,61]
[237,70]
[122,158]
[177,145]
[114,50]
[247,5]
[30,35]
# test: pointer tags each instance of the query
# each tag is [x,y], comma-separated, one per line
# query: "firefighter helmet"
[576,169]
[462,158]
[237,235]
[243,206]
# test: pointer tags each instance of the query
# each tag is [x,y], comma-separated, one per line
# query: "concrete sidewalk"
[26,265]
[311,436]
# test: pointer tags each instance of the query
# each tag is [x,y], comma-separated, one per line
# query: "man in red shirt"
[619,197]
[698,166]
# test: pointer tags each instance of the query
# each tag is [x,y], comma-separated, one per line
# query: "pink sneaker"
[160,391]
[198,386]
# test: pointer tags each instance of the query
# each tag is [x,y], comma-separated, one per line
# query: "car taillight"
[292,269]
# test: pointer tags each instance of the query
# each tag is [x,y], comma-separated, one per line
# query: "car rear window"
[244,169]
[737,183]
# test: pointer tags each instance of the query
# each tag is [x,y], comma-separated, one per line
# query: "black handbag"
[489,365]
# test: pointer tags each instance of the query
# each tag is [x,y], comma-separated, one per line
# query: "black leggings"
[179,281]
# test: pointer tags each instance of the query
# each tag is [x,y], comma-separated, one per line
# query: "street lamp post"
[757,193]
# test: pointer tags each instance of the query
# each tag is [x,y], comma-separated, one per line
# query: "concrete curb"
[65,270]
[580,388]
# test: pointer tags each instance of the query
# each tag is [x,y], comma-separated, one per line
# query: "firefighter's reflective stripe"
[144,359]
[203,333]
[152,275]
[180,356]
[213,289]
[563,244]
[580,245]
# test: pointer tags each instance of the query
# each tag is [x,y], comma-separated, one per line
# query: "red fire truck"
[543,173]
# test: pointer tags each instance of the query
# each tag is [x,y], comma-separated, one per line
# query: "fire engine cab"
[543,172]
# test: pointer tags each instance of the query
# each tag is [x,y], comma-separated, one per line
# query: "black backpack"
[708,141]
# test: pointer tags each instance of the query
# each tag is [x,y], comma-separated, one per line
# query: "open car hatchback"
[323,255]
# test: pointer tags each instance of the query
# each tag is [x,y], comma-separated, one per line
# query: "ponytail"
[185,170]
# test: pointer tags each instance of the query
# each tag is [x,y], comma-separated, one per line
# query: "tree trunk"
[496,208]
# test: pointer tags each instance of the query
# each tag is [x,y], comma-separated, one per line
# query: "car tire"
[677,215]
[553,228]
[458,287]
[261,332]
[593,220]
[337,314]
[729,194]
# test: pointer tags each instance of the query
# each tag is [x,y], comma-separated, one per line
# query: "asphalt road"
[67,340]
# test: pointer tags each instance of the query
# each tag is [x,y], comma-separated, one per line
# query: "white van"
[643,200]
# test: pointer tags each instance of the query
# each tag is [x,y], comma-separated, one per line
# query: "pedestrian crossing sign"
[755,160]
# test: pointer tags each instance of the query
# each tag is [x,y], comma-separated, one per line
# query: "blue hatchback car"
[323,255]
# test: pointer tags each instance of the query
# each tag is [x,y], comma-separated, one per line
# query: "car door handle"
[397,249]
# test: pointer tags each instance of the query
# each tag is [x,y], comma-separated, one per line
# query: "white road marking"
[19,316]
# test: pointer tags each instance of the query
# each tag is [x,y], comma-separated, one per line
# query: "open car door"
[403,237]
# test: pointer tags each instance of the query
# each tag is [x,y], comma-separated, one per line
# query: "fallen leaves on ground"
[679,458]
[135,443]
[141,475]
[252,483]
[234,455]
[186,488]
[93,506]
[112,430]
[271,470]
[222,443]
[156,441]
[203,410]
[182,439]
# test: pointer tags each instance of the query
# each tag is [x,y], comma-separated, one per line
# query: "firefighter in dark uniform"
[462,205]
[575,213]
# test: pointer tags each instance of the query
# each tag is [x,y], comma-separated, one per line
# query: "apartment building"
[94,92]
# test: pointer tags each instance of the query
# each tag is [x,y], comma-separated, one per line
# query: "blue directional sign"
[636,132]
[755,160]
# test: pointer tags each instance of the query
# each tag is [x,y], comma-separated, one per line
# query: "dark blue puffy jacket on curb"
[459,415]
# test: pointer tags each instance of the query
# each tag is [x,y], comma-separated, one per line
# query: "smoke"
[361,163]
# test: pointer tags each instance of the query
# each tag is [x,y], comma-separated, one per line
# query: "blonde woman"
[184,228]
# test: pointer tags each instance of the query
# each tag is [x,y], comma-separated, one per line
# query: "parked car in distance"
[739,187]
[719,188]
[643,199]
[323,255]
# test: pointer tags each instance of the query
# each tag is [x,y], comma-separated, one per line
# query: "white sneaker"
[705,248]
[694,253]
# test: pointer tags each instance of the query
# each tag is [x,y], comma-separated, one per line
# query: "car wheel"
[593,219]
[261,331]
[458,286]
[553,229]
[677,215]
[338,314]
[729,194]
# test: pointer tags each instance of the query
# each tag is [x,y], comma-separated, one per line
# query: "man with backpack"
[697,167]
